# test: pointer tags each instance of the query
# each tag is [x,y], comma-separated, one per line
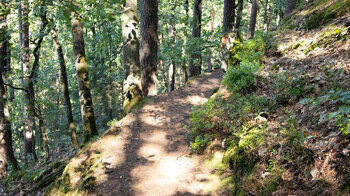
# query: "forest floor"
[147,152]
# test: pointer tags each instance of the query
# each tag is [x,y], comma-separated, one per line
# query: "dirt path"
[150,154]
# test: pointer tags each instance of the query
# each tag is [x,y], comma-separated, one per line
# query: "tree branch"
[16,88]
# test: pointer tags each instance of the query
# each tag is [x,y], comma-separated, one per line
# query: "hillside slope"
[286,128]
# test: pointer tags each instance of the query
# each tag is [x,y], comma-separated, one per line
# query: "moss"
[294,46]
[132,99]
[321,16]
[327,37]
[271,184]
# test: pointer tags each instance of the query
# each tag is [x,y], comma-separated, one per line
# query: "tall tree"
[183,66]
[149,45]
[131,56]
[64,86]
[210,55]
[6,151]
[87,109]
[172,66]
[34,72]
[229,15]
[28,109]
[196,57]
[266,16]
[290,6]
[252,22]
[239,14]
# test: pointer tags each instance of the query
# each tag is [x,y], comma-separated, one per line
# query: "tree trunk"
[290,6]
[87,110]
[131,57]
[239,14]
[196,57]
[266,16]
[229,16]
[3,128]
[43,133]
[252,22]
[32,79]
[29,121]
[6,151]
[210,56]
[183,66]
[149,45]
[5,114]
[64,86]
[172,66]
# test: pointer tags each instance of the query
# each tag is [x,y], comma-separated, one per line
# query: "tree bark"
[290,6]
[131,57]
[239,14]
[252,22]
[64,86]
[87,110]
[196,57]
[149,45]
[229,15]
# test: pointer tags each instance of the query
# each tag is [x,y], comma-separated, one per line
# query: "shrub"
[241,78]
[200,143]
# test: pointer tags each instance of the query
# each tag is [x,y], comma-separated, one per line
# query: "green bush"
[201,116]
[241,78]
[199,144]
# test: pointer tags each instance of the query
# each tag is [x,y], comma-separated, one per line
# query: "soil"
[150,152]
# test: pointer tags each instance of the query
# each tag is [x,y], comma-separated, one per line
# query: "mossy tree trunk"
[195,64]
[131,57]
[64,86]
[229,15]
[149,45]
[252,22]
[87,110]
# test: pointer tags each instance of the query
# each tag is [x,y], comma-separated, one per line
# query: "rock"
[262,152]
[263,176]
[322,82]
[314,173]
[336,147]
[346,151]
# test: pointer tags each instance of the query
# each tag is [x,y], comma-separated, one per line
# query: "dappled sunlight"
[169,175]
[146,153]
[196,100]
